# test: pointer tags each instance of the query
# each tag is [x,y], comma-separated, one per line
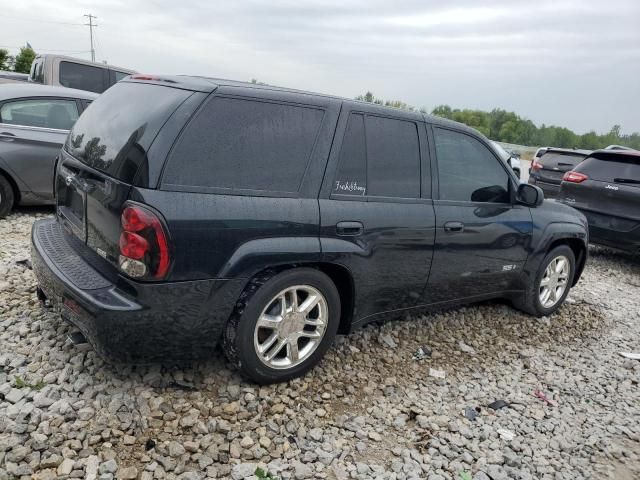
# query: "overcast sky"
[569,63]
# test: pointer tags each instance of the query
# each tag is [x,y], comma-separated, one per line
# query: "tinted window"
[561,160]
[36,71]
[467,170]
[247,145]
[624,169]
[83,77]
[115,133]
[119,75]
[393,158]
[44,112]
[352,172]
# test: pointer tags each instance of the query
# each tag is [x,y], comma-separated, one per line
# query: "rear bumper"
[613,231]
[127,321]
[551,190]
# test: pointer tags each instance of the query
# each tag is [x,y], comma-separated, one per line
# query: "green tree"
[24,60]
[5,59]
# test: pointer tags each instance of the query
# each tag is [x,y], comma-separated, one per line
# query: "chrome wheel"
[554,281]
[291,327]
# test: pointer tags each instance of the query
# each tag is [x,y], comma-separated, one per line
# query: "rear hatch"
[106,153]
[556,163]
[610,193]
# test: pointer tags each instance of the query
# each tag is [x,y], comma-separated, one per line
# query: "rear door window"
[54,113]
[381,159]
[114,135]
[237,144]
[393,158]
[351,178]
[82,77]
[467,170]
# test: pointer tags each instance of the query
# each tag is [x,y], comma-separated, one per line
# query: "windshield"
[504,155]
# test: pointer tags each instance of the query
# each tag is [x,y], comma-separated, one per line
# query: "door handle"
[454,227]
[351,229]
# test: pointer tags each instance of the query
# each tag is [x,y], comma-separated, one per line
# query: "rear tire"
[531,301]
[7,198]
[275,334]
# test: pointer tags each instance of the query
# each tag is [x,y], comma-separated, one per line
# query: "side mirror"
[530,195]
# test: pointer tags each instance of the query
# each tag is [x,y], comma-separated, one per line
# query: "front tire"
[552,283]
[7,197]
[285,328]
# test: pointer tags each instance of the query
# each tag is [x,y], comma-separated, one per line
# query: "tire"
[248,345]
[7,197]
[531,301]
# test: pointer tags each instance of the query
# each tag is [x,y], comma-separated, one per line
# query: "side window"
[352,172]
[381,160]
[45,113]
[119,75]
[467,170]
[393,158]
[82,77]
[36,71]
[241,144]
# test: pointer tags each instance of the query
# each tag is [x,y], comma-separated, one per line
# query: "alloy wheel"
[291,327]
[554,282]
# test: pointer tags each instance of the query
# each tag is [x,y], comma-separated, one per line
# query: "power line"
[91,25]
[48,50]
[37,20]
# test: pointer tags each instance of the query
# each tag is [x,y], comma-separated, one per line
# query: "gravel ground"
[389,401]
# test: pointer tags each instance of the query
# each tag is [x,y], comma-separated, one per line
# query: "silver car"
[34,123]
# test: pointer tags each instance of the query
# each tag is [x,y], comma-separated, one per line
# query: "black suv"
[546,172]
[193,209]
[606,188]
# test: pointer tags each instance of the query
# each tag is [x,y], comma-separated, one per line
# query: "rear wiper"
[626,180]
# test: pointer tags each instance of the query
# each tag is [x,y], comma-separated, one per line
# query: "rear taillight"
[536,165]
[574,177]
[144,246]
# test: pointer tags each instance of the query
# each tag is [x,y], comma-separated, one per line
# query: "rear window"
[82,77]
[560,159]
[245,145]
[620,170]
[114,134]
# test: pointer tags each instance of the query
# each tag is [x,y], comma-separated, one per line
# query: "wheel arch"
[339,275]
[13,183]
[579,249]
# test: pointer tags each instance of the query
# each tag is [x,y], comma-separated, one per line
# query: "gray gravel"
[389,402]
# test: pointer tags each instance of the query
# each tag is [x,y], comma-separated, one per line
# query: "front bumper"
[127,321]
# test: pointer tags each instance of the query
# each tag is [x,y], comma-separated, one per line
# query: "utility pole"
[91,25]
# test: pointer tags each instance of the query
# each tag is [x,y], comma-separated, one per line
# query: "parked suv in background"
[190,209]
[34,123]
[512,159]
[75,73]
[606,188]
[547,172]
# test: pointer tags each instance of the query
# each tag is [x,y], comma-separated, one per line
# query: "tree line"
[509,127]
[21,63]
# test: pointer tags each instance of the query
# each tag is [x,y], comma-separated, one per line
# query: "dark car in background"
[34,123]
[547,171]
[193,209]
[605,187]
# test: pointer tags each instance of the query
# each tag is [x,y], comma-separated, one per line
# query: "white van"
[75,73]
